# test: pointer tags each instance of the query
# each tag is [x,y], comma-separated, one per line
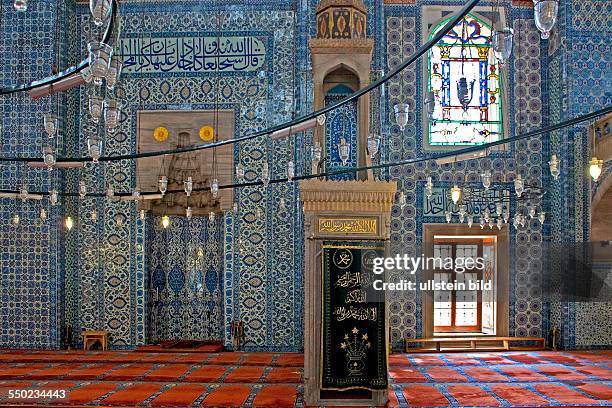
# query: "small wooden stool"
[90,337]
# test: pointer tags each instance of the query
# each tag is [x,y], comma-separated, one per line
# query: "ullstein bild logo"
[412,265]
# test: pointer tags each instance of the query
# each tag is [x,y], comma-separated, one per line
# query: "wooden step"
[484,343]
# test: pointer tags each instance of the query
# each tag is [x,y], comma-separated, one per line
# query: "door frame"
[502,318]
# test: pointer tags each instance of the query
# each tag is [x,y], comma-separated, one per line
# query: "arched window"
[464,75]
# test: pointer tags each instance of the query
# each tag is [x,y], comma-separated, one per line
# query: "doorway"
[481,311]
[469,310]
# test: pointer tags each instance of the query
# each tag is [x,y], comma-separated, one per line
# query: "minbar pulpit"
[347,224]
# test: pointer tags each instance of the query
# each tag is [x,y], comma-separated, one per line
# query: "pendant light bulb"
[69,222]
[165,221]
[595,168]
[519,185]
[455,194]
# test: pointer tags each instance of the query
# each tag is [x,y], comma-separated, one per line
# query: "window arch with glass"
[463,75]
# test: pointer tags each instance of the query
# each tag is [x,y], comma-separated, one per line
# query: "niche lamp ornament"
[554,164]
[344,150]
[545,15]
[502,44]
[402,111]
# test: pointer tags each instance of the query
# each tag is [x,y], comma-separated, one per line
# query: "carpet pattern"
[506,379]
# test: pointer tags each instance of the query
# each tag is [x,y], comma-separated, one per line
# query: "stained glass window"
[464,76]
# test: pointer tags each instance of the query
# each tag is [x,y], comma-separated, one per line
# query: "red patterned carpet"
[181,379]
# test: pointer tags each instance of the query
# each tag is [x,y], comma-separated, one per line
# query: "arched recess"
[341,123]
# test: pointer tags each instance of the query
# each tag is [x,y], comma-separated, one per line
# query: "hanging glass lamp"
[100,55]
[114,72]
[100,11]
[519,185]
[163,184]
[94,147]
[42,214]
[545,15]
[448,216]
[50,122]
[49,157]
[265,174]
[542,217]
[112,111]
[82,189]
[189,213]
[486,179]
[554,164]
[595,168]
[188,185]
[214,188]
[96,107]
[373,145]
[402,199]
[402,110]
[53,197]
[165,221]
[239,172]
[502,43]
[69,222]
[470,220]
[455,194]
[290,170]
[429,187]
[430,104]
